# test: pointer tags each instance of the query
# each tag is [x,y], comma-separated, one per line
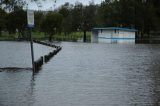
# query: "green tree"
[11,4]
[106,13]
[146,16]
[16,20]
[65,10]
[52,23]
[89,15]
[127,12]
[2,20]
[77,16]
[118,13]
[38,15]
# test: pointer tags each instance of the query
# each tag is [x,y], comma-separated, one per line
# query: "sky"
[51,5]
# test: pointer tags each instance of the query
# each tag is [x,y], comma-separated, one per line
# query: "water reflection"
[17,89]
[14,87]
[18,54]
[155,77]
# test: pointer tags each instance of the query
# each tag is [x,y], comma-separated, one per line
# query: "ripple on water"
[84,74]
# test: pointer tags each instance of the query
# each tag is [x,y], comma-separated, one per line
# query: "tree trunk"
[84,30]
[50,37]
[0,31]
[84,37]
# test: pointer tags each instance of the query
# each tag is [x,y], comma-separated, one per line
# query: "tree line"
[143,15]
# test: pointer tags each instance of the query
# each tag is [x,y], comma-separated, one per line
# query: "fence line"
[46,58]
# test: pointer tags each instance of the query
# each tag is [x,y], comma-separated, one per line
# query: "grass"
[6,36]
[38,35]
[74,36]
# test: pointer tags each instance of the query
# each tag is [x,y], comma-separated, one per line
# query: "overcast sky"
[50,4]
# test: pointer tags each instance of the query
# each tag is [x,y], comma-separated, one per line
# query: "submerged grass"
[74,36]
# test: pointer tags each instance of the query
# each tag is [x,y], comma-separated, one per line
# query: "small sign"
[30,18]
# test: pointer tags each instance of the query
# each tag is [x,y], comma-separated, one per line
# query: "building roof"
[115,28]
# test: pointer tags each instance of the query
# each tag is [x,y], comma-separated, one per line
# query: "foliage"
[140,14]
[52,23]
[38,15]
[143,15]
[16,20]
[78,17]
[89,16]
[11,4]
[2,20]
[65,10]
[77,14]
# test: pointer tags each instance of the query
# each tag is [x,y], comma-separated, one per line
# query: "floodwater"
[81,74]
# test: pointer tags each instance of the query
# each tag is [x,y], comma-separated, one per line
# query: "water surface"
[82,74]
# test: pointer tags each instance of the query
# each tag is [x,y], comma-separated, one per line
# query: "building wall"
[126,37]
[105,36]
[113,36]
[94,37]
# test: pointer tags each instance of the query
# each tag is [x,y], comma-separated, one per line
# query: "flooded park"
[79,52]
[81,74]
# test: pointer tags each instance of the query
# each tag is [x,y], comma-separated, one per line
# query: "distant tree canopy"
[65,10]
[38,16]
[16,20]
[143,15]
[2,20]
[140,14]
[78,17]
[10,5]
[52,23]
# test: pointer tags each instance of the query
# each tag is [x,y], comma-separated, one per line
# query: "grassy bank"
[5,36]
[74,36]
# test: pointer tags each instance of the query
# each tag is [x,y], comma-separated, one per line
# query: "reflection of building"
[113,35]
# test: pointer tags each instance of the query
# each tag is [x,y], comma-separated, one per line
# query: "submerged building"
[113,35]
